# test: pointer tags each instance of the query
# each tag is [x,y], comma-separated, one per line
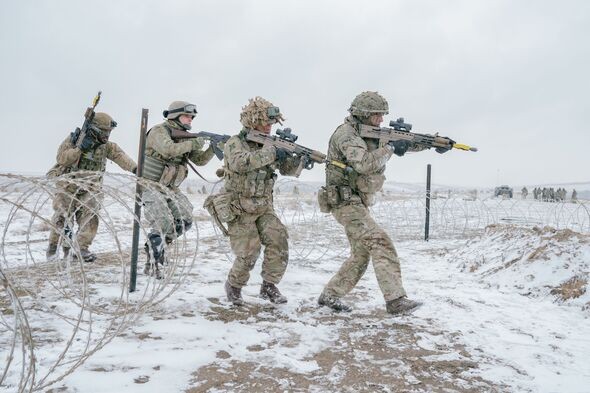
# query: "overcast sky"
[510,77]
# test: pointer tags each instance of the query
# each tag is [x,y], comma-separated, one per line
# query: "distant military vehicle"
[503,190]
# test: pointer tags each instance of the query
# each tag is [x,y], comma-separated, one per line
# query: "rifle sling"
[197,172]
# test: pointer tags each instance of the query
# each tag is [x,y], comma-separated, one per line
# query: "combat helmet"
[177,108]
[104,121]
[260,112]
[368,103]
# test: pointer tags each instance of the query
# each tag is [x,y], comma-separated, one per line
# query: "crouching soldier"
[246,203]
[167,209]
[81,202]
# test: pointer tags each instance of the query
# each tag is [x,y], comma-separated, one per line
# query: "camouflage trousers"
[168,211]
[247,234]
[78,206]
[368,241]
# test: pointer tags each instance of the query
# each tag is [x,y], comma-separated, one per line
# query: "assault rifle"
[285,140]
[213,139]
[80,133]
[401,131]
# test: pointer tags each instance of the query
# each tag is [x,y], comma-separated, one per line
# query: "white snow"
[519,334]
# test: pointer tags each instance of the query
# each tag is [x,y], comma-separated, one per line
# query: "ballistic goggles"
[190,109]
[273,112]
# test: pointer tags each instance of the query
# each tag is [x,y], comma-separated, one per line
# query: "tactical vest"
[254,184]
[348,187]
[93,160]
[153,166]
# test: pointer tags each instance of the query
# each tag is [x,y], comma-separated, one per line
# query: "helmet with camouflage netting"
[368,103]
[177,108]
[260,112]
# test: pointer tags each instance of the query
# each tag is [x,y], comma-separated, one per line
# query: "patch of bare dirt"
[571,289]
[373,353]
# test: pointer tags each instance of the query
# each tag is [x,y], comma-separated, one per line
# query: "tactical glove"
[88,143]
[281,154]
[442,150]
[198,143]
[400,147]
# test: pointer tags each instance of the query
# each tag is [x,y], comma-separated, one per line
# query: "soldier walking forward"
[167,209]
[349,193]
[249,172]
[77,201]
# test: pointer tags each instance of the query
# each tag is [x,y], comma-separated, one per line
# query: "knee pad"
[155,243]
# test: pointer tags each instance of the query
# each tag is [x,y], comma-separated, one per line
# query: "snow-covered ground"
[505,309]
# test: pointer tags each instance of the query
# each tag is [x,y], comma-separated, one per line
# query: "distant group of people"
[549,194]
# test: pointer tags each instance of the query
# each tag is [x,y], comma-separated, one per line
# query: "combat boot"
[234,294]
[51,252]
[333,302]
[401,305]
[269,291]
[86,255]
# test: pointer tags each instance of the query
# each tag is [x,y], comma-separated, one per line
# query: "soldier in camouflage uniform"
[167,209]
[349,194]
[249,171]
[80,203]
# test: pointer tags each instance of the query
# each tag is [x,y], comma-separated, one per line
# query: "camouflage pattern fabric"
[68,155]
[160,145]
[72,203]
[364,156]
[247,234]
[249,178]
[367,240]
[167,207]
[79,207]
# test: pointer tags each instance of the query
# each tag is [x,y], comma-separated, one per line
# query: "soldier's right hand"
[198,143]
[400,147]
[88,143]
[281,154]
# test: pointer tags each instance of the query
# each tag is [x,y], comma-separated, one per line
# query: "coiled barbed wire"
[79,307]
[58,301]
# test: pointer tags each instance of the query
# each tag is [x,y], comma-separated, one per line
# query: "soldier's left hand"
[400,147]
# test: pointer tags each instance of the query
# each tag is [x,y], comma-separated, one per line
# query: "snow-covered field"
[506,306]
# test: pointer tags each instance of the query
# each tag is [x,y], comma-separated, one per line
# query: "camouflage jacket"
[72,159]
[250,172]
[160,145]
[364,156]
[164,151]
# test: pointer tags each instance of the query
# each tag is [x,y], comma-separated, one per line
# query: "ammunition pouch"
[166,173]
[173,175]
[253,205]
[337,196]
[219,206]
[254,184]
[258,184]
